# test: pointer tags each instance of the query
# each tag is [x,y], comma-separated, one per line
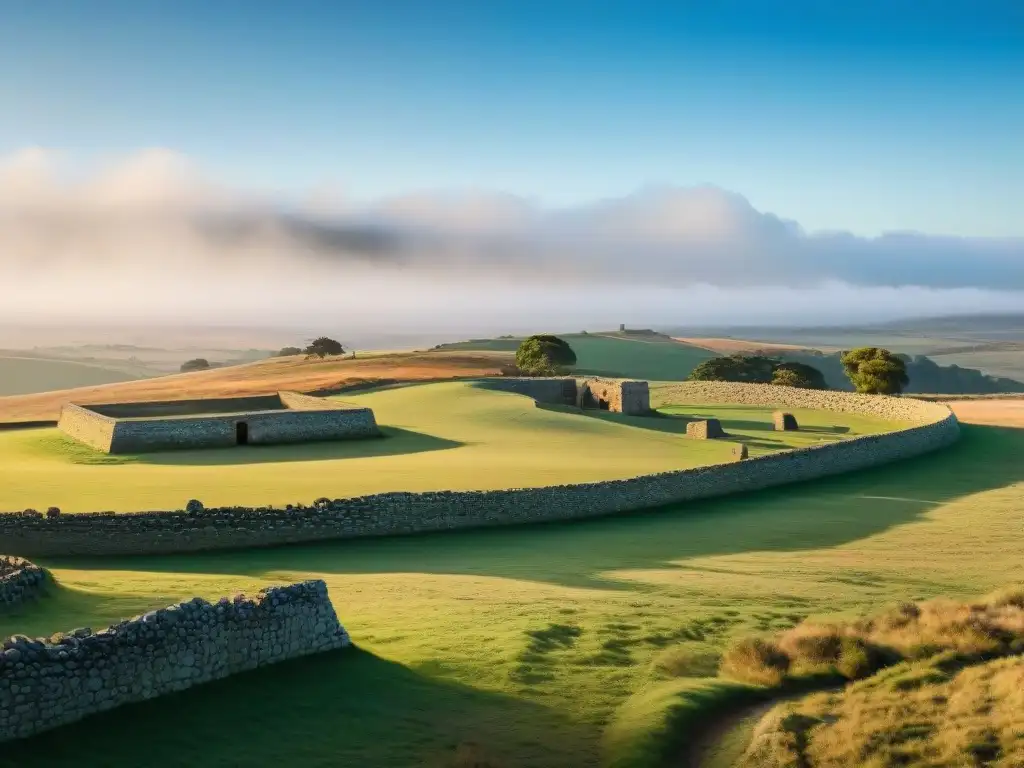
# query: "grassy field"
[449,435]
[529,641]
[22,375]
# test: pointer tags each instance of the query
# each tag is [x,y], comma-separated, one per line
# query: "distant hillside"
[926,376]
[24,375]
[640,354]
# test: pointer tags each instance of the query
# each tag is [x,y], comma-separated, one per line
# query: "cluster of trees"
[544,355]
[757,369]
[320,347]
[870,370]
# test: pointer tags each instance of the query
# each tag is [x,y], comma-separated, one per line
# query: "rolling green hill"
[439,436]
[648,356]
[526,642]
[26,375]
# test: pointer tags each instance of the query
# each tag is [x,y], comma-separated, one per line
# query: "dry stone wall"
[930,427]
[618,395]
[47,683]
[287,417]
[20,581]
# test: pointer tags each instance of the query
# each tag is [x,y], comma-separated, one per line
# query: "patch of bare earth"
[998,413]
[264,377]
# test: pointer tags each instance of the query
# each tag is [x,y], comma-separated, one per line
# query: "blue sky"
[899,115]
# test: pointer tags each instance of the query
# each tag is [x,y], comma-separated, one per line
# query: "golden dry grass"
[997,413]
[922,714]
[263,377]
[993,626]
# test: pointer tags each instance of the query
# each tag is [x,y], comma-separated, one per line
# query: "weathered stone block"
[740,452]
[784,422]
[706,429]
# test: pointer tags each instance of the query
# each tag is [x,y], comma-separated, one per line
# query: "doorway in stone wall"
[242,433]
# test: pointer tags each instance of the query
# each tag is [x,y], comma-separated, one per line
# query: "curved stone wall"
[20,580]
[932,427]
[47,683]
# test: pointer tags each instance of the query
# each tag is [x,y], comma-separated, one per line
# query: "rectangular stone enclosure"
[285,417]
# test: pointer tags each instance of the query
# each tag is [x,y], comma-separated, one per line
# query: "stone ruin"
[784,422]
[614,395]
[596,393]
[705,429]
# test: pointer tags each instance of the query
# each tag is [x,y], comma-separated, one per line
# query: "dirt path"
[722,742]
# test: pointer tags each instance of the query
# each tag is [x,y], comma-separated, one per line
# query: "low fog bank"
[151,240]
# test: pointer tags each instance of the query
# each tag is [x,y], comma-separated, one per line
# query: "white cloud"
[151,236]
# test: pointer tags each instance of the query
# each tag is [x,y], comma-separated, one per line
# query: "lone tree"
[198,364]
[288,352]
[875,371]
[543,354]
[324,347]
[792,374]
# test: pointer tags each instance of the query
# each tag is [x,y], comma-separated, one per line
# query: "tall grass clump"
[988,628]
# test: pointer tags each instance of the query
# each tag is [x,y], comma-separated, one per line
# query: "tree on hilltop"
[875,371]
[198,364]
[288,352]
[324,347]
[798,375]
[544,354]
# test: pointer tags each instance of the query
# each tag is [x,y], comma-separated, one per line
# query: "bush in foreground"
[991,627]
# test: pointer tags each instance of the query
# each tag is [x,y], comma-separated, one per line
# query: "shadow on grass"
[346,707]
[394,442]
[803,516]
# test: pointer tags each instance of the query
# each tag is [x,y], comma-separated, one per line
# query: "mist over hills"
[152,237]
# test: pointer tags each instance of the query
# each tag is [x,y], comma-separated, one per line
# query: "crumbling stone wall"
[47,683]
[930,427]
[615,395]
[547,390]
[20,581]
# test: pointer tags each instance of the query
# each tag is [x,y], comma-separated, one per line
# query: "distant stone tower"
[622,327]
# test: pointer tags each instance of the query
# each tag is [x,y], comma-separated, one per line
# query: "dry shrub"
[991,627]
[755,660]
[1008,597]
[812,647]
